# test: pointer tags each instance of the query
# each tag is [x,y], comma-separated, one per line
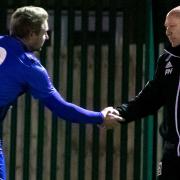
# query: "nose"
[168,31]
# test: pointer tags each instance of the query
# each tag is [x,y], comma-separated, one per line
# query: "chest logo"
[3,55]
[168,68]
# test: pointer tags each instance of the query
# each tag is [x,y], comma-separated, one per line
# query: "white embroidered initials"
[168,71]
[168,65]
[169,68]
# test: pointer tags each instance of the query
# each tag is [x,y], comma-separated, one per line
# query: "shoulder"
[28,59]
[16,51]
[163,58]
[32,66]
[164,55]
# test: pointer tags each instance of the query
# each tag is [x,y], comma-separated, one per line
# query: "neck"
[25,42]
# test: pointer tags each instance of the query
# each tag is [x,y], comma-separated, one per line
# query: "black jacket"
[163,90]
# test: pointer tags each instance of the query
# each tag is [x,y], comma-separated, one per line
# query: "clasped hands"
[111,118]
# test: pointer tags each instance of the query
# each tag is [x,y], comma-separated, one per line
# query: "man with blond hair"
[21,72]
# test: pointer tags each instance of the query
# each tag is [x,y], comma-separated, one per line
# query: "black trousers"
[169,167]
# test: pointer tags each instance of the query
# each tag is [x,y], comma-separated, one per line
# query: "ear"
[31,34]
[30,37]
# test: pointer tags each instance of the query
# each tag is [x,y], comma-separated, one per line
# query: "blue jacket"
[21,71]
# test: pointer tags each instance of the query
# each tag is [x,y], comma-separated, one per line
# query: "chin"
[38,49]
[174,45]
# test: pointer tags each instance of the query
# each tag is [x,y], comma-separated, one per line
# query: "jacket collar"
[20,42]
[173,50]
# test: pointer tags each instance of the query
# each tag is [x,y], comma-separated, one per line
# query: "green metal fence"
[98,55]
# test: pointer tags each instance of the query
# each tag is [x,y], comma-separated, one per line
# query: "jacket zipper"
[176,117]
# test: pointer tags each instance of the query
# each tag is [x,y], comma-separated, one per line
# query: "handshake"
[111,118]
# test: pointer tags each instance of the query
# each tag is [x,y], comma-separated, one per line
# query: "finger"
[114,111]
[116,117]
[102,126]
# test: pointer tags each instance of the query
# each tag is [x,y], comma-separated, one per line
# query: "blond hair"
[27,19]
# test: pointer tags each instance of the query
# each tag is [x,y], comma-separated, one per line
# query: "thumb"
[116,117]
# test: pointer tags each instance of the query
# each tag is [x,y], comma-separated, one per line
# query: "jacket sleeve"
[71,112]
[148,101]
[40,86]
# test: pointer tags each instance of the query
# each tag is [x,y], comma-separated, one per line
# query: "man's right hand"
[111,118]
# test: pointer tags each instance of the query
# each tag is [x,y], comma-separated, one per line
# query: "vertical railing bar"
[40,140]
[26,147]
[149,69]
[68,129]
[3,15]
[96,90]
[12,167]
[83,93]
[56,55]
[139,74]
[155,13]
[111,87]
[125,86]
[138,123]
